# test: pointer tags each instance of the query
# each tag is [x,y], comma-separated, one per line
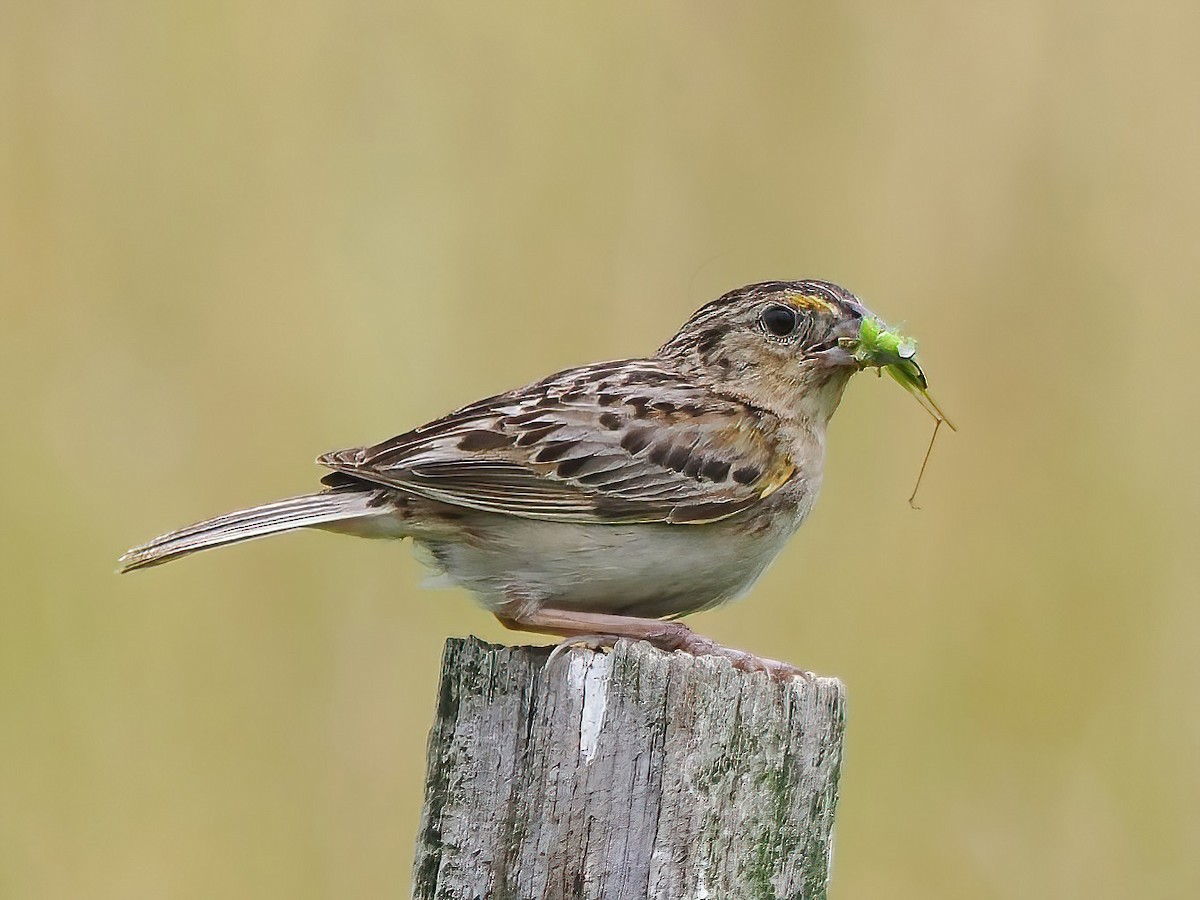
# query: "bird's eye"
[779,320]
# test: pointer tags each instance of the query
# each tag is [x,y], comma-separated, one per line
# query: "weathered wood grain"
[626,775]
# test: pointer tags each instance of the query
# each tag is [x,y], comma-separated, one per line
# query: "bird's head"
[786,346]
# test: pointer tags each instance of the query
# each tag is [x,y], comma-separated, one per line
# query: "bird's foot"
[698,645]
[597,631]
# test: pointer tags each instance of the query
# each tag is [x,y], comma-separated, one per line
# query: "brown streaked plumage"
[605,498]
[550,451]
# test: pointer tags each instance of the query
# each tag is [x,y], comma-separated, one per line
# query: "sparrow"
[605,501]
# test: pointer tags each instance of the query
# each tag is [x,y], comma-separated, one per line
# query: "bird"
[610,500]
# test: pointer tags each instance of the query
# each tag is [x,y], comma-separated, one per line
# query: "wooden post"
[626,775]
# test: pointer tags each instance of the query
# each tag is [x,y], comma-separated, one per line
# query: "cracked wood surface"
[626,775]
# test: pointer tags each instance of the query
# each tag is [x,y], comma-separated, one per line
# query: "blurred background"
[234,235]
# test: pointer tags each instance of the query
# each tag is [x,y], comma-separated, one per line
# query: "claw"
[593,642]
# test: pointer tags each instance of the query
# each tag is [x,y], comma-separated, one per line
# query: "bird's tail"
[259,521]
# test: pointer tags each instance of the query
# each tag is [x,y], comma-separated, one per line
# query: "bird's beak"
[843,354]
[839,356]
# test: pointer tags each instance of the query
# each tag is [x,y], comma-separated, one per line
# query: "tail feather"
[259,521]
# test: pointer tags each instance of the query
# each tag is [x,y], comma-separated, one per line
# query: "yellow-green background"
[236,234]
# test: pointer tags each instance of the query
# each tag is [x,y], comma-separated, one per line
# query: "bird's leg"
[603,629]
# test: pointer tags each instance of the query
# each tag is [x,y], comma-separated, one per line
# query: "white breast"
[651,570]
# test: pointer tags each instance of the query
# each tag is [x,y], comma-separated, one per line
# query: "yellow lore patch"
[810,301]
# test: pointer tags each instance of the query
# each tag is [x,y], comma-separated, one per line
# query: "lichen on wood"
[626,775]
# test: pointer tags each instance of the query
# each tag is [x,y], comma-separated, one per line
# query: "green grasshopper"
[881,347]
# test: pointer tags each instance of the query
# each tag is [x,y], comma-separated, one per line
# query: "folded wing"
[615,443]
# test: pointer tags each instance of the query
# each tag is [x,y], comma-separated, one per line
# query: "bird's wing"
[630,441]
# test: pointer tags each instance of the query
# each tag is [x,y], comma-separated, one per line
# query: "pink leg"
[604,629]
